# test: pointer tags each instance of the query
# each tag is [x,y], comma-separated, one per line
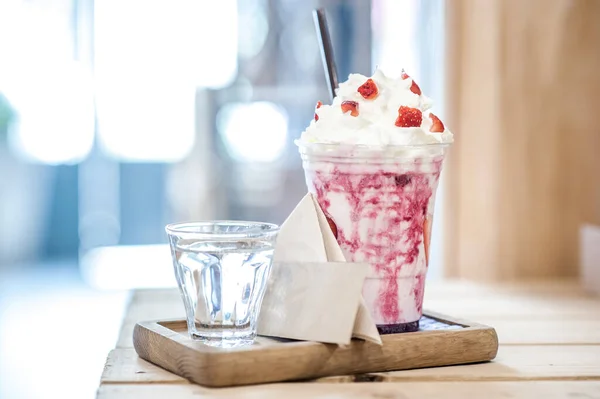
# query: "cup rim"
[365,147]
[190,229]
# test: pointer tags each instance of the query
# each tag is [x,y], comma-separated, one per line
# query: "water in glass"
[222,284]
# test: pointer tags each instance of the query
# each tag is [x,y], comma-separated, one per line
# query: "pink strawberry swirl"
[382,209]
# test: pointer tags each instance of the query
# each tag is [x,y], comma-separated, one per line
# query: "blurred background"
[118,117]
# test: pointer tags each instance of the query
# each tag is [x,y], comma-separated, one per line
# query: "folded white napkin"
[313,294]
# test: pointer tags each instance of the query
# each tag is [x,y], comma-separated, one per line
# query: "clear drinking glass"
[222,268]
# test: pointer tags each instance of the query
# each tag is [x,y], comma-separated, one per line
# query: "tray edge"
[209,361]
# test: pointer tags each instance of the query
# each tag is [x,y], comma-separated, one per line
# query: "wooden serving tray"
[441,341]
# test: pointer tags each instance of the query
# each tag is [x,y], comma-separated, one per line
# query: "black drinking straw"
[326,50]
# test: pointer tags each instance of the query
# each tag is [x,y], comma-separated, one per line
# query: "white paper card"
[589,255]
[304,301]
[305,237]
[364,327]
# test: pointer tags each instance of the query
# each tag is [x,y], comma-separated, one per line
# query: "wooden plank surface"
[552,313]
[404,390]
[557,331]
[149,305]
[512,363]
[516,308]
[549,334]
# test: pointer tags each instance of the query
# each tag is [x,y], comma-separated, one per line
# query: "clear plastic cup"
[222,269]
[379,202]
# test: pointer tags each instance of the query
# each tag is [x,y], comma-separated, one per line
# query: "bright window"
[50,92]
[150,56]
[253,132]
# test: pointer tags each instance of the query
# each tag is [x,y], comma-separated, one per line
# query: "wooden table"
[549,335]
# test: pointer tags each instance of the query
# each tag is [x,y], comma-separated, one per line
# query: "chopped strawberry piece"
[332,226]
[368,90]
[414,87]
[426,238]
[437,126]
[319,103]
[351,106]
[409,117]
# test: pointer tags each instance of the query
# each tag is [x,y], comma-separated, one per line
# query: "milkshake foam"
[375,121]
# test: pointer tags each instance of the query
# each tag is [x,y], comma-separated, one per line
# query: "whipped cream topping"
[375,124]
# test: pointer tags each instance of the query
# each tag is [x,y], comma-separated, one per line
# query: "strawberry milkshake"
[373,160]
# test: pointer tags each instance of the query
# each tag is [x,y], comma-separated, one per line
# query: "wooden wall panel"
[524,104]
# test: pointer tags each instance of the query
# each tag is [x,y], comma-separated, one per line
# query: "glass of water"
[222,268]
